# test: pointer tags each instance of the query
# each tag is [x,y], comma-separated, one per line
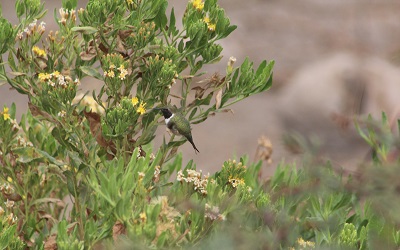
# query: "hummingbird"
[178,125]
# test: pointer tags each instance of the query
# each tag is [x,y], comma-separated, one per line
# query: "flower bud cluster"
[161,70]
[33,30]
[211,53]
[120,119]
[348,236]
[142,35]
[66,15]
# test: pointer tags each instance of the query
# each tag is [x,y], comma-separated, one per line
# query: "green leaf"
[27,154]
[7,236]
[50,158]
[172,21]
[87,30]
[20,8]
[69,4]
[192,113]
[90,71]
[228,31]
[147,136]
[161,19]
[204,101]
[209,4]
[70,182]
[181,46]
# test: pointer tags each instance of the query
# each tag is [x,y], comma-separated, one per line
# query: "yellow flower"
[9,179]
[111,74]
[141,110]
[211,26]
[44,77]
[143,216]
[112,67]
[236,182]
[301,242]
[123,74]
[38,52]
[135,101]
[129,2]
[121,68]
[198,4]
[55,74]
[6,115]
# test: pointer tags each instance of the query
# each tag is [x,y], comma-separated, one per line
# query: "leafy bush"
[78,171]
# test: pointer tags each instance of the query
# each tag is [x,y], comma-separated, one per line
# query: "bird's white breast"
[168,119]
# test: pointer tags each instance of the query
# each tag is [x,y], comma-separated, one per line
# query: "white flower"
[9,204]
[62,113]
[33,23]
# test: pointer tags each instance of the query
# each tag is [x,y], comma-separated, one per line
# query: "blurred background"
[334,60]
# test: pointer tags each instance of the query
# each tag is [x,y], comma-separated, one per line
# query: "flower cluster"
[121,71]
[232,174]
[32,29]
[9,204]
[236,182]
[56,79]
[114,66]
[11,219]
[8,191]
[141,108]
[199,182]
[212,213]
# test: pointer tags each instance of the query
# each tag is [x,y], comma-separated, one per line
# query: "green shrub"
[78,171]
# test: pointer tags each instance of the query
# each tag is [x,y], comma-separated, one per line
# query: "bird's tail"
[194,146]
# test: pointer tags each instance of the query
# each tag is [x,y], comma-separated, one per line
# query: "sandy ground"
[333,58]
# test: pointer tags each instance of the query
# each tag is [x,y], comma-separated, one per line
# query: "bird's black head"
[166,112]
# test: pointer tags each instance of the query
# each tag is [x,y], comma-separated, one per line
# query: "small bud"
[231,61]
